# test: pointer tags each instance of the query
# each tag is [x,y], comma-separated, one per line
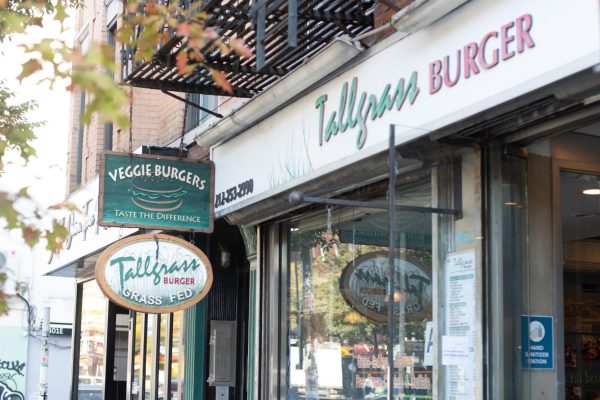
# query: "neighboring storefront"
[13,371]
[120,353]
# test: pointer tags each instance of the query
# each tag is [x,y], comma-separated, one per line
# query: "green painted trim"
[195,352]
[251,334]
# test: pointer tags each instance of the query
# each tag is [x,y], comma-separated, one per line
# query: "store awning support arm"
[189,103]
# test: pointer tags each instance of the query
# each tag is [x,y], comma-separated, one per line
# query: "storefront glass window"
[338,292]
[177,352]
[91,348]
[150,332]
[151,361]
[137,357]
[338,339]
[581,284]
[162,356]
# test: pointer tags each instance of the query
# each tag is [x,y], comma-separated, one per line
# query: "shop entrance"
[580,220]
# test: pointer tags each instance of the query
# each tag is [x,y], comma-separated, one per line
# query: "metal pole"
[44,355]
[391,259]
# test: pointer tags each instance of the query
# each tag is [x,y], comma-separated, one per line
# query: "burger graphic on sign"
[145,195]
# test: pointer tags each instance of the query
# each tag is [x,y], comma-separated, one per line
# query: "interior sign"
[154,273]
[156,192]
[364,281]
[537,342]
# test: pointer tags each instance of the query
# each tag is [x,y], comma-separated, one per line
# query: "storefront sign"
[364,281]
[481,55]
[84,236]
[537,342]
[156,192]
[154,273]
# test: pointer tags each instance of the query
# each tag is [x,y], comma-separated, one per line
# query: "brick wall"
[383,14]
[157,118]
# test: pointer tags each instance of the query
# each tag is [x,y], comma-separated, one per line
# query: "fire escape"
[281,33]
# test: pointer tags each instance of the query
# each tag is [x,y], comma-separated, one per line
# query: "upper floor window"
[196,116]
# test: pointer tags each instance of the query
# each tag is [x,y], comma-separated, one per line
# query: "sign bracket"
[297,197]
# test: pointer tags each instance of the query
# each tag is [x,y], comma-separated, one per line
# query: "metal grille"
[282,34]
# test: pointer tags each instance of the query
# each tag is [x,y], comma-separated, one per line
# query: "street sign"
[156,192]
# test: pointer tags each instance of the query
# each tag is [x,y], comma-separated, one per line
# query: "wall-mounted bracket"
[297,197]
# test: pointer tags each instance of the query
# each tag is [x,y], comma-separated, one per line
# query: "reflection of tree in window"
[320,317]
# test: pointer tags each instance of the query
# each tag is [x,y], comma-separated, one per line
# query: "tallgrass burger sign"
[156,192]
[154,273]
[364,281]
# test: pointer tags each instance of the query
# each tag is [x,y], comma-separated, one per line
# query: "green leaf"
[23,192]
[60,13]
[28,68]
[30,235]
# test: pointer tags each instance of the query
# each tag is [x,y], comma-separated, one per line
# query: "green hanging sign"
[156,192]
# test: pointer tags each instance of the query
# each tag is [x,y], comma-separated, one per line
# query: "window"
[80,134]
[196,116]
[91,347]
[84,40]
[108,126]
[337,303]
[157,356]
[330,292]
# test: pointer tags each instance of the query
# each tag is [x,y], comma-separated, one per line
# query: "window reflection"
[177,361]
[150,332]
[137,357]
[91,348]
[162,355]
[337,306]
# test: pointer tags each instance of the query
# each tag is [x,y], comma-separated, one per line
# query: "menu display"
[459,353]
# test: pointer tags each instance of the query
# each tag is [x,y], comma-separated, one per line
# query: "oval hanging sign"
[154,273]
[363,285]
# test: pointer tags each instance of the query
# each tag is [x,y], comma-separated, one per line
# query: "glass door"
[156,356]
[580,217]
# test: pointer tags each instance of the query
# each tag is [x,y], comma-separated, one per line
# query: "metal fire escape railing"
[281,33]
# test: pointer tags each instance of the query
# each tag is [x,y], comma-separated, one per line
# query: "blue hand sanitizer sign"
[537,342]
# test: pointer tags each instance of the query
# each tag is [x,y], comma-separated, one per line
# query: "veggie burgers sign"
[154,273]
[156,192]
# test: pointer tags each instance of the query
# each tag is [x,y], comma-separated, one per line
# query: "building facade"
[455,141]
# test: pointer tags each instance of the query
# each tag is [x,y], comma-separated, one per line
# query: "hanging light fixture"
[591,191]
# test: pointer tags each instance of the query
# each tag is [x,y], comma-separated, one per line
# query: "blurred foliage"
[144,25]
